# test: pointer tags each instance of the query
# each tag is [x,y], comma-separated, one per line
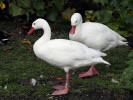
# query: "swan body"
[68,54]
[65,54]
[94,35]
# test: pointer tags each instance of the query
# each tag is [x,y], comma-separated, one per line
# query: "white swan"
[94,35]
[65,54]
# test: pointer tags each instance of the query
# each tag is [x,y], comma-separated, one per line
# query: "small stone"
[33,81]
[41,77]
[115,81]
[5,87]
[52,97]
[48,95]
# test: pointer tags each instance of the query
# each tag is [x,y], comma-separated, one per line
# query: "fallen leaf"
[29,48]
[26,42]
[10,53]
[12,33]
[59,78]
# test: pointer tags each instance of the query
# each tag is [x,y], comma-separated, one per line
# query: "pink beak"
[31,30]
[72,30]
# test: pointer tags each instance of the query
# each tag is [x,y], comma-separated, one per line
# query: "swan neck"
[81,21]
[47,34]
[45,37]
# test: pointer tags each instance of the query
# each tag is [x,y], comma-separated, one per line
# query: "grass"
[18,65]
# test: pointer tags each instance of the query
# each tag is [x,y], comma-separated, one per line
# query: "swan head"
[38,24]
[75,20]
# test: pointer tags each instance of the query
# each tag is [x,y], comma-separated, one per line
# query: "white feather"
[95,35]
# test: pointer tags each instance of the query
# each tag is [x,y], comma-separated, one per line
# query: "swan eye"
[34,23]
[76,22]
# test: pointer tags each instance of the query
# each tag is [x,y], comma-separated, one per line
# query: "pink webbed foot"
[90,72]
[59,87]
[60,90]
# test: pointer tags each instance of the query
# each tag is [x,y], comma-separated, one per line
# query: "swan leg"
[62,89]
[90,72]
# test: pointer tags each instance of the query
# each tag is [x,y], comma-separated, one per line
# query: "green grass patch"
[17,69]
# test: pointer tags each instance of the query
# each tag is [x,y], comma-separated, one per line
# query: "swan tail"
[105,62]
[103,54]
[100,60]
[123,43]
